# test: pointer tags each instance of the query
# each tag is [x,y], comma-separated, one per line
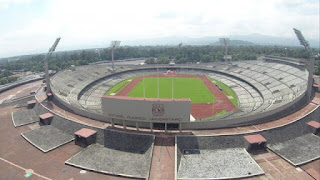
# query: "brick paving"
[19,91]
[163,160]
[277,168]
[17,151]
[313,168]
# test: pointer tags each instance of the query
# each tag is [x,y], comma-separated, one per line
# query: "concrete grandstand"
[271,98]
[260,86]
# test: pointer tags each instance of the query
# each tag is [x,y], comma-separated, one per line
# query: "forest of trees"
[6,77]
[154,54]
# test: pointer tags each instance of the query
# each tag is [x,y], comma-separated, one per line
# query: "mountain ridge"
[256,39]
[245,40]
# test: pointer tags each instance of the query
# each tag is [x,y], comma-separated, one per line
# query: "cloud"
[6,3]
[14,1]
[167,15]
[99,21]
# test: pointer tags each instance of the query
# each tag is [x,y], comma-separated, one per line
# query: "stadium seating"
[260,86]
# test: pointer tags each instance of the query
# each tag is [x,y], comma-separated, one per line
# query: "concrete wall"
[128,141]
[146,109]
[283,60]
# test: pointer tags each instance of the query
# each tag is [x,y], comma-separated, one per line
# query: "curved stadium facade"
[265,89]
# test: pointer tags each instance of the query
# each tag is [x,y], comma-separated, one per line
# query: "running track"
[198,110]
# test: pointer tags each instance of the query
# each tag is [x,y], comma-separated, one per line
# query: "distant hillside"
[237,43]
[237,40]
[252,39]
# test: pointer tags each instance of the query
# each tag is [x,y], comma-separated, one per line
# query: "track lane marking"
[17,166]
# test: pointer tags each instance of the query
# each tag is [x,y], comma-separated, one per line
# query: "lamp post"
[113,45]
[225,42]
[97,51]
[180,46]
[305,43]
[46,71]
[286,51]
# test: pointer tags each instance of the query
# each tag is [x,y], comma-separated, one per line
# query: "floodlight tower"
[97,51]
[305,43]
[225,42]
[180,46]
[113,45]
[286,51]
[46,71]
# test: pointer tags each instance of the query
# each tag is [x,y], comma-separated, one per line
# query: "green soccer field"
[192,88]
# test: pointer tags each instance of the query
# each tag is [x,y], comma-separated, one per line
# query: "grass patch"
[229,91]
[118,87]
[192,88]
[214,116]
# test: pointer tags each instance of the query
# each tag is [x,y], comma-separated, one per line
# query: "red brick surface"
[277,168]
[255,138]
[314,124]
[315,174]
[17,155]
[163,159]
[32,102]
[46,116]
[85,132]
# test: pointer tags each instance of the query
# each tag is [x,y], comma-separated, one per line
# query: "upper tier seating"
[260,86]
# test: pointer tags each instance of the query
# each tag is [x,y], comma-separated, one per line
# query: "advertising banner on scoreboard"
[146,109]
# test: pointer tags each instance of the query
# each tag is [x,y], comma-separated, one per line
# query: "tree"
[150,60]
[163,60]
[154,54]
[205,58]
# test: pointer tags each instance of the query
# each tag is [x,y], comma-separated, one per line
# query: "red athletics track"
[198,110]
[123,85]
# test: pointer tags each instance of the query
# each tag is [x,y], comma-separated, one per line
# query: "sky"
[31,26]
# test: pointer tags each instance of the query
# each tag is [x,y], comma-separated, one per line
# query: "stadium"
[221,120]
[159,90]
[261,90]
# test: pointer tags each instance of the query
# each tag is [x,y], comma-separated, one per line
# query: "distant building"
[227,58]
